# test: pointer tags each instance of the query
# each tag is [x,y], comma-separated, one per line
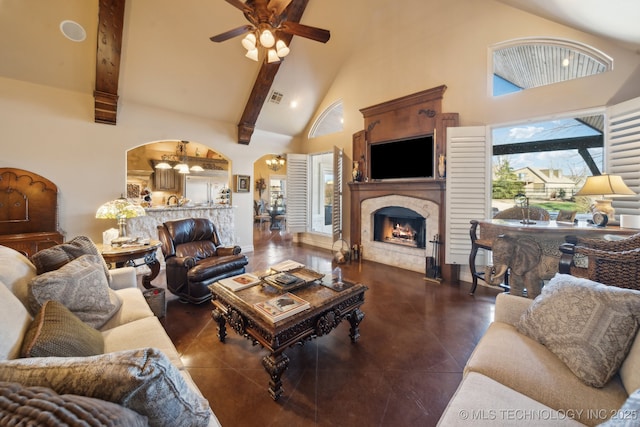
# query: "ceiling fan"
[268,18]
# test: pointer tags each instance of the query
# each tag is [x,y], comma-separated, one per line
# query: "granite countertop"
[173,208]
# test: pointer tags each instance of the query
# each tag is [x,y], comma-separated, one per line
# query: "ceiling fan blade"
[313,33]
[278,6]
[231,33]
[240,5]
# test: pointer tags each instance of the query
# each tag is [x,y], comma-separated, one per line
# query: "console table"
[549,234]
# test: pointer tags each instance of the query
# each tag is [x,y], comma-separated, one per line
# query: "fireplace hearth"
[400,226]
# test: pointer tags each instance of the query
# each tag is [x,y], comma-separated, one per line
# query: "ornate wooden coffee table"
[328,308]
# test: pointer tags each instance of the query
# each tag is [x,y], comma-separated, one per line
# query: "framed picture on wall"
[242,183]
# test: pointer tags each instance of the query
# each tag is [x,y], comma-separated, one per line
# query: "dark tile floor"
[415,339]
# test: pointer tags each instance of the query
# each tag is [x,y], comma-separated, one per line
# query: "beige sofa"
[512,379]
[140,368]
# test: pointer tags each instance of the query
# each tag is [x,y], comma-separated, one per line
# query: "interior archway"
[154,186]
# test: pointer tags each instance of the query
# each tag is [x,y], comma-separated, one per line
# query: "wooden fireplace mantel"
[413,115]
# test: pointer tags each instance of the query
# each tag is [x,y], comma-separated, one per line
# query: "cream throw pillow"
[588,325]
[81,286]
[143,380]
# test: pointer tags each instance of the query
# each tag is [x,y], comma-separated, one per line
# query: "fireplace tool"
[433,262]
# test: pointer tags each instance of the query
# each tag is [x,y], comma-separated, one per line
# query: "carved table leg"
[218,317]
[154,265]
[355,317]
[275,365]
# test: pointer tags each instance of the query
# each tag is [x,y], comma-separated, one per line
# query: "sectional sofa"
[83,337]
[569,357]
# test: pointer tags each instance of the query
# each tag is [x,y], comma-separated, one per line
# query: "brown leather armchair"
[195,258]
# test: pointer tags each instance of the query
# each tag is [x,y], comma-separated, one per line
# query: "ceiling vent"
[276,97]
[73,31]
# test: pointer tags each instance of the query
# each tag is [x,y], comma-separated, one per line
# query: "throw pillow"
[628,415]
[21,405]
[56,256]
[55,331]
[15,272]
[15,319]
[81,286]
[587,325]
[143,380]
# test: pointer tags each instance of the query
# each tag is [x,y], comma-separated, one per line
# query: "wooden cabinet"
[167,180]
[30,243]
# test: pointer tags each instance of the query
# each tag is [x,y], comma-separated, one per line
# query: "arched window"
[531,62]
[330,121]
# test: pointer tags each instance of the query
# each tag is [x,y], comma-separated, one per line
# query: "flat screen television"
[402,159]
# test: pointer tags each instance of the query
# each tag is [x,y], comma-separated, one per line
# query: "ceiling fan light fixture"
[272,56]
[282,49]
[252,54]
[249,41]
[267,39]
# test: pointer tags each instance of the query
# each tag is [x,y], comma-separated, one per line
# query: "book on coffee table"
[284,281]
[242,281]
[287,265]
[281,307]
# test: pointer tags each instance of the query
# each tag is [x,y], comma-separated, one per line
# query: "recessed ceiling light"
[73,31]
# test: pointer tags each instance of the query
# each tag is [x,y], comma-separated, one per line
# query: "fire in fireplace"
[401,226]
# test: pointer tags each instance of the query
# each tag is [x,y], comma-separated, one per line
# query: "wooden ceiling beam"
[264,81]
[109,48]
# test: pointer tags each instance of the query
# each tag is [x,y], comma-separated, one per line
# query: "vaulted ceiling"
[167,60]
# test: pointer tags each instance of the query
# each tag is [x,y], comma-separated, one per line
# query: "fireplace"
[399,226]
[403,252]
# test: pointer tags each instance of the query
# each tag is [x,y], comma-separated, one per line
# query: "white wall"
[51,132]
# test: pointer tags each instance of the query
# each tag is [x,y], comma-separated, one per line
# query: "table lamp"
[605,185]
[120,209]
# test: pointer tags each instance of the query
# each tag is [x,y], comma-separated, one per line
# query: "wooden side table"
[130,256]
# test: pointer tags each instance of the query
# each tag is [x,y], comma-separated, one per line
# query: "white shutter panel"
[336,213]
[623,151]
[297,193]
[468,194]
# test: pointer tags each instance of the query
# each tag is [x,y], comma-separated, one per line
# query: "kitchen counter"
[185,208]
[222,217]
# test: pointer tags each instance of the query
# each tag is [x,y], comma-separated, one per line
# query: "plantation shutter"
[297,193]
[622,146]
[468,194]
[336,213]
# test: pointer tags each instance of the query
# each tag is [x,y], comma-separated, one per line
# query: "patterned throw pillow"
[81,286]
[143,380]
[21,405]
[587,325]
[55,331]
[53,258]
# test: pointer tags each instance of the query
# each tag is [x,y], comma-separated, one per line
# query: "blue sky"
[569,161]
